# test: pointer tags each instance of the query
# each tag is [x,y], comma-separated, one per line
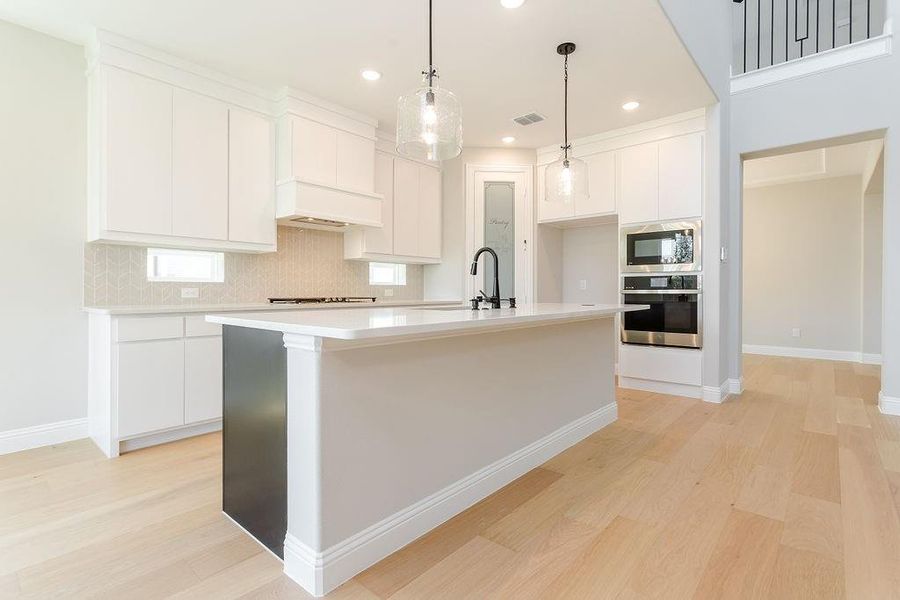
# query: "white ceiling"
[500,62]
[834,161]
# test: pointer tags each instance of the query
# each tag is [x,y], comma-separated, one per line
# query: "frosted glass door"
[500,234]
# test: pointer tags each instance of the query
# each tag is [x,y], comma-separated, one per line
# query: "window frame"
[217,266]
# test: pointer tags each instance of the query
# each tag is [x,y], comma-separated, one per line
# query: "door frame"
[523,174]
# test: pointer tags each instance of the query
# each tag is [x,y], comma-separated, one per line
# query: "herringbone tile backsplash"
[308,263]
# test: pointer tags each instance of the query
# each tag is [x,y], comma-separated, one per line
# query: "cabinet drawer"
[198,327]
[136,329]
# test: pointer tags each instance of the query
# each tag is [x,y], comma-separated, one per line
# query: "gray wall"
[591,254]
[803,265]
[872,243]
[43,377]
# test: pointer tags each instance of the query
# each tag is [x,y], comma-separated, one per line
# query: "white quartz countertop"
[368,323]
[255,307]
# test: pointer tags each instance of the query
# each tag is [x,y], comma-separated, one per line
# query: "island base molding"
[321,572]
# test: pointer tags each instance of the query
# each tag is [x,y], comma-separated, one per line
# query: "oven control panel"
[661,282]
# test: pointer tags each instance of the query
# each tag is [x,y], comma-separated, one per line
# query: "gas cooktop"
[322,300]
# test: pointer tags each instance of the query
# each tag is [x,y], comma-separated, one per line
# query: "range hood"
[302,203]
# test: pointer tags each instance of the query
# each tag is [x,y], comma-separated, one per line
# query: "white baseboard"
[715,394]
[164,437]
[320,572]
[871,359]
[817,353]
[661,387]
[736,386]
[888,405]
[16,440]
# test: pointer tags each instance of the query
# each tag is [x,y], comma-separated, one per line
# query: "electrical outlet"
[795,332]
[190,292]
[388,292]
[582,284]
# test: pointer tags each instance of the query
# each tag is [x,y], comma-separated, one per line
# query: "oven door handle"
[668,292]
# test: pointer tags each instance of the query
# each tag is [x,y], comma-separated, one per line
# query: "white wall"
[43,354]
[802,265]
[446,281]
[872,243]
[590,254]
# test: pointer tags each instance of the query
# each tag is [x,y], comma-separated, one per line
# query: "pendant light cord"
[565,107]
[430,48]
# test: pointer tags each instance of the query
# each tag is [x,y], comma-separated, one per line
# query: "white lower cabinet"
[150,390]
[152,379]
[202,379]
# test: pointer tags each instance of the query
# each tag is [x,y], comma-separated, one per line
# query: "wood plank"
[603,569]
[806,575]
[480,559]
[869,519]
[814,525]
[816,472]
[851,411]
[743,563]
[671,568]
[766,492]
[403,566]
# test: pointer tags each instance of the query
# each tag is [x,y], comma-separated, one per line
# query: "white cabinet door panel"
[314,151]
[202,379]
[601,185]
[150,388]
[200,167]
[406,207]
[380,240]
[138,151]
[681,177]
[429,212]
[251,180]
[355,164]
[639,184]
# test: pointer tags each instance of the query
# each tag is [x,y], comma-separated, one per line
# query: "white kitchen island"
[350,433]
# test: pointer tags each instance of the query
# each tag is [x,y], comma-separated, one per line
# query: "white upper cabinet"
[406,207]
[429,213]
[681,177]
[136,167]
[601,185]
[639,184]
[251,179]
[355,162]
[200,166]
[168,165]
[411,212]
[314,148]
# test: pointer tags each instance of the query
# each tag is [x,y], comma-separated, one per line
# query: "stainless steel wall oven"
[675,317]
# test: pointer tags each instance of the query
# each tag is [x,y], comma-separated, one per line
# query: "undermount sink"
[446,308]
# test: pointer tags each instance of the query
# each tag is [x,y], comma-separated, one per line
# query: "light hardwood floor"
[793,491]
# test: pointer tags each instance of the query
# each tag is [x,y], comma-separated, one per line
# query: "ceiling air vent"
[529,119]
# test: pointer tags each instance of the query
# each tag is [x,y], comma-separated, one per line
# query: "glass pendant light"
[429,119]
[566,180]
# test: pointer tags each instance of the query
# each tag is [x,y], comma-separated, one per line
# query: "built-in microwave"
[660,247]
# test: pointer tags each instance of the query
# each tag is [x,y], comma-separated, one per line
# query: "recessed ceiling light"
[632,105]
[512,3]
[508,139]
[370,75]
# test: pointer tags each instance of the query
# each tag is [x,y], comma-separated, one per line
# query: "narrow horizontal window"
[191,266]
[387,274]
